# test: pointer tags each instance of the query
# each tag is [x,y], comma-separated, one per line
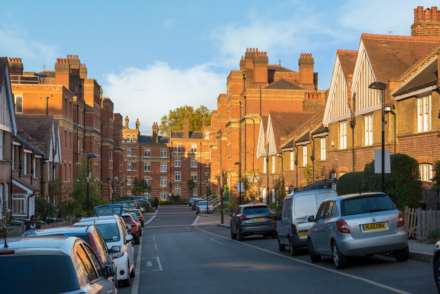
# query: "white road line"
[151,218]
[167,226]
[155,246]
[310,264]
[159,265]
[135,289]
[196,220]
[217,241]
[149,264]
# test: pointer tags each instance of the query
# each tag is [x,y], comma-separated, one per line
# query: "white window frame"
[177,163]
[274,165]
[424,114]
[130,166]
[164,195]
[163,153]
[292,160]
[305,156]
[426,172]
[178,190]
[163,182]
[194,163]
[343,135]
[163,167]
[195,177]
[368,130]
[18,204]
[177,176]
[34,167]
[264,164]
[323,148]
[147,153]
[15,105]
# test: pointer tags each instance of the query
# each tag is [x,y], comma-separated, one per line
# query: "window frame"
[343,137]
[304,156]
[368,130]
[323,148]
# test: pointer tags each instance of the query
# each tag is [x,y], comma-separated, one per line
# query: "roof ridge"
[400,37]
[346,51]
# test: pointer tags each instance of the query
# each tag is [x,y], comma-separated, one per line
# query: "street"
[179,257]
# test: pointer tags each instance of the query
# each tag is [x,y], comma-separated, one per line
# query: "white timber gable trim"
[261,143]
[7,113]
[270,137]
[367,100]
[336,108]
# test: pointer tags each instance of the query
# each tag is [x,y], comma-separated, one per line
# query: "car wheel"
[292,249]
[133,273]
[339,259]
[314,257]
[402,254]
[127,282]
[436,270]
[281,246]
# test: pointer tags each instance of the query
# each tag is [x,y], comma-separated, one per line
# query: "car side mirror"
[311,219]
[128,238]
[108,270]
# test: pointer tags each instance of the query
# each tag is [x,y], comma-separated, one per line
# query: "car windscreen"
[304,206]
[108,210]
[256,210]
[109,232]
[366,204]
[37,274]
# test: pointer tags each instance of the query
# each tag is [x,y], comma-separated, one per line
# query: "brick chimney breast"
[426,21]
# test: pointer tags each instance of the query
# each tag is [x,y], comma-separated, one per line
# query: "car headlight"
[437,245]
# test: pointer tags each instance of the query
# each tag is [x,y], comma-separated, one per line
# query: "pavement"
[180,255]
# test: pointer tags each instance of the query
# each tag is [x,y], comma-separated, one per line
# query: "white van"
[294,224]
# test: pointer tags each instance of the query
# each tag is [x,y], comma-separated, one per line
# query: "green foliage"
[80,204]
[191,184]
[44,209]
[403,184]
[140,187]
[280,194]
[198,118]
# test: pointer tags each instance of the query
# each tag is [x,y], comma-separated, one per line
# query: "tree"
[80,204]
[191,185]
[140,187]
[198,118]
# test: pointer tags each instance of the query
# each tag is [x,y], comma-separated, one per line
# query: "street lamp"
[377,85]
[89,155]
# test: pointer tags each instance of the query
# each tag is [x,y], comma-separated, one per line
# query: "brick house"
[8,129]
[254,90]
[36,160]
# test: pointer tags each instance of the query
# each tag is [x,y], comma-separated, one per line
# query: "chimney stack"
[426,21]
[186,127]
[155,129]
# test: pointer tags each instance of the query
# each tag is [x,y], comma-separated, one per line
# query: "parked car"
[52,265]
[89,234]
[252,219]
[436,265]
[294,224]
[194,202]
[118,241]
[139,216]
[191,200]
[204,206]
[134,227]
[358,225]
[108,209]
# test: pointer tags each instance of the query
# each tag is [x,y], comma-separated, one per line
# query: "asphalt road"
[180,258]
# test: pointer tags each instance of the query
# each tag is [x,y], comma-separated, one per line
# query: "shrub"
[351,183]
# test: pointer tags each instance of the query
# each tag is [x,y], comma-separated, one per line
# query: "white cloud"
[34,53]
[149,93]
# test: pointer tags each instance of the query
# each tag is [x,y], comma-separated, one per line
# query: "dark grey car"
[252,219]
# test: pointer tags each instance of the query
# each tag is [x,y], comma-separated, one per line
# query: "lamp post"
[381,87]
[220,179]
[89,156]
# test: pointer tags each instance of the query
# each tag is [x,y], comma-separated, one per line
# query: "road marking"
[309,264]
[149,264]
[159,265]
[196,220]
[135,289]
[151,218]
[167,226]
[217,241]
[155,246]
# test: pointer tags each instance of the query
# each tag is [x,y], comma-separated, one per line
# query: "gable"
[336,107]
[366,99]
[261,143]
[7,113]
[272,148]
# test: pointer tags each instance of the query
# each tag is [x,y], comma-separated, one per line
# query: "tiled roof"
[347,58]
[143,139]
[284,123]
[312,122]
[192,135]
[304,138]
[35,131]
[320,130]
[278,67]
[391,56]
[283,84]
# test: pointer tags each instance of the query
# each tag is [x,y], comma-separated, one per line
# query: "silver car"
[358,225]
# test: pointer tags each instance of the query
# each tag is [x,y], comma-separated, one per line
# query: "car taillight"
[400,220]
[243,217]
[342,226]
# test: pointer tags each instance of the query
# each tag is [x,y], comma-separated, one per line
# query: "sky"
[151,56]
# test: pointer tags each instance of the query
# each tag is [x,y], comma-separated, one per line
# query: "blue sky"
[154,55]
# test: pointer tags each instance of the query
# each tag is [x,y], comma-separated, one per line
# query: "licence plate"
[302,234]
[374,227]
[258,220]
